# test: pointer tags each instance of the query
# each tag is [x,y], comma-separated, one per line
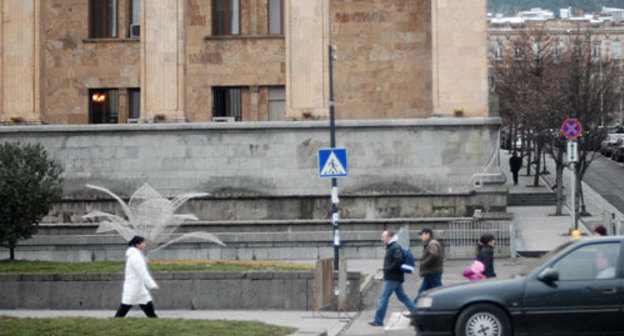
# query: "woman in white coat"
[137,280]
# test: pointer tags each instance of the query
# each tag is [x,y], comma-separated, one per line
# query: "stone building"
[120,61]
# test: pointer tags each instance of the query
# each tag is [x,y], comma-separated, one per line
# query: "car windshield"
[540,261]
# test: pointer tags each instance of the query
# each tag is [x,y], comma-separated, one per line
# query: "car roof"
[604,239]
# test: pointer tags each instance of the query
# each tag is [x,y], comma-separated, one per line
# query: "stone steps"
[532,199]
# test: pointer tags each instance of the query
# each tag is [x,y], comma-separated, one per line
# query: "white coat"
[137,279]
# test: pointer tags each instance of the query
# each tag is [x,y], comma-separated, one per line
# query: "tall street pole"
[332,132]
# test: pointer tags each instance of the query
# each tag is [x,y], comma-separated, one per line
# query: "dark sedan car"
[576,289]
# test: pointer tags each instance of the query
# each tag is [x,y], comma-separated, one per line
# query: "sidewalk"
[538,229]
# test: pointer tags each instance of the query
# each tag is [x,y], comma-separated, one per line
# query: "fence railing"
[464,235]
[600,208]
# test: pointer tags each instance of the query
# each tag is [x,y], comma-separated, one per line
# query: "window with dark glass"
[103,106]
[225,17]
[102,18]
[135,18]
[276,17]
[134,105]
[227,104]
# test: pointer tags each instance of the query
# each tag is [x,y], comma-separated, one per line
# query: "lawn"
[155,266]
[134,326]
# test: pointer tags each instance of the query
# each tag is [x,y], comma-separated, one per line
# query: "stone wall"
[383,69]
[442,161]
[218,290]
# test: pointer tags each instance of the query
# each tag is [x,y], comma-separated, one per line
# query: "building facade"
[147,61]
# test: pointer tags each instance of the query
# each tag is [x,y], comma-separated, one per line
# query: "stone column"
[20,62]
[459,48]
[162,60]
[306,25]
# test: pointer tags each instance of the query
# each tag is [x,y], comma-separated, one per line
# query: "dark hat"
[426,230]
[601,230]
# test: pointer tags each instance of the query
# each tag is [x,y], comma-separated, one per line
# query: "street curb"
[309,332]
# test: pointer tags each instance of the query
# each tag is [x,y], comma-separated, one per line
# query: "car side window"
[596,261]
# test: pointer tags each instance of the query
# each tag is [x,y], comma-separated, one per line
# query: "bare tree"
[523,83]
[544,80]
[593,87]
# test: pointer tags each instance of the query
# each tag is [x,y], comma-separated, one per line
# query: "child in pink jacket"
[475,272]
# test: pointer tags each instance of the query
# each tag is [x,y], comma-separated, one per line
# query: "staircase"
[532,199]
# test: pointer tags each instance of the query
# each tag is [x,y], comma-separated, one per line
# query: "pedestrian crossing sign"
[333,162]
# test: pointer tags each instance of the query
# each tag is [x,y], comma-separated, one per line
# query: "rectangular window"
[102,18]
[597,50]
[134,105]
[496,50]
[103,106]
[518,51]
[276,17]
[276,102]
[226,17]
[617,50]
[227,103]
[135,18]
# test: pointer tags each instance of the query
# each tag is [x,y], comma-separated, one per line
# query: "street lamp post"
[332,132]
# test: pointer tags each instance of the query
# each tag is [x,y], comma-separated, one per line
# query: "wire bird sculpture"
[151,215]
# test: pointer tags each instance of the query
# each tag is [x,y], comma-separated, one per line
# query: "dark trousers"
[515,176]
[148,309]
[430,281]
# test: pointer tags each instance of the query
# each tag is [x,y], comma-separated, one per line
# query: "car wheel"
[483,320]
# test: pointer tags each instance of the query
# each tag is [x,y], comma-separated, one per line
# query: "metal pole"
[332,132]
[572,158]
[573,196]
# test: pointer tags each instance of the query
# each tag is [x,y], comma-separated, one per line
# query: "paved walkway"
[538,229]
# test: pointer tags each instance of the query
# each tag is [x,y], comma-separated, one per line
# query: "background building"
[606,38]
[119,61]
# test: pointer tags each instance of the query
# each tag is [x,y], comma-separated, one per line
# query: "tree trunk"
[538,161]
[583,211]
[12,253]
[559,182]
[525,147]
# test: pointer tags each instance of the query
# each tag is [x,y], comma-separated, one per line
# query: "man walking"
[515,163]
[393,278]
[431,263]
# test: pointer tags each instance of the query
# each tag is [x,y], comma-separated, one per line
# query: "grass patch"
[134,326]
[155,266]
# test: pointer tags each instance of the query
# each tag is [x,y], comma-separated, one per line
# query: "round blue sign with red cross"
[571,128]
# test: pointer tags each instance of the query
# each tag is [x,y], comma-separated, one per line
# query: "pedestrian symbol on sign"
[333,166]
[333,162]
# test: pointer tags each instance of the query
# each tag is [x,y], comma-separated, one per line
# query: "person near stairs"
[515,163]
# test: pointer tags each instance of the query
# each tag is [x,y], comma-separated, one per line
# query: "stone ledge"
[24,130]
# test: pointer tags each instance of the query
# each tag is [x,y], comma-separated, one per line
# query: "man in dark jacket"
[515,163]
[431,262]
[393,278]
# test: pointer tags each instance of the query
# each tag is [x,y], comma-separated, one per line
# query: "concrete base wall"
[222,290]
[397,168]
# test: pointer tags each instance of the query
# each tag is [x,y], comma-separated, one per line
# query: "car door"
[585,300]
